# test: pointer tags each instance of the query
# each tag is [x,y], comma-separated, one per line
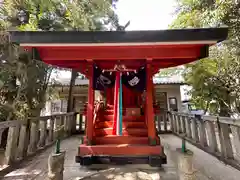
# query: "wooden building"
[167,94]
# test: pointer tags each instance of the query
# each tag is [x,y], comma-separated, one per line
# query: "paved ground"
[207,167]
[205,164]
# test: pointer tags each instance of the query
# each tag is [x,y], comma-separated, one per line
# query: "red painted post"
[90,107]
[149,106]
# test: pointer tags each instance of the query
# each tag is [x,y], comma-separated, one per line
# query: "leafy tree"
[210,81]
[215,80]
[9,74]
[24,81]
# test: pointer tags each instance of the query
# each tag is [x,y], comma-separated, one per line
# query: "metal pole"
[183,148]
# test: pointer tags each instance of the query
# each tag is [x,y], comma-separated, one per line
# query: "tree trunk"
[11,97]
[224,109]
[70,92]
[206,108]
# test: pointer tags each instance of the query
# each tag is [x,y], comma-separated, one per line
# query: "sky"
[143,15]
[146,14]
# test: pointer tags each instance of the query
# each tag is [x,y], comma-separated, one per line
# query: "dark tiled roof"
[176,79]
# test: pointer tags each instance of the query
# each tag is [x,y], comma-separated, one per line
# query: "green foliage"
[23,81]
[215,80]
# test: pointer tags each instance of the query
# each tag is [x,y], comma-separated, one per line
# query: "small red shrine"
[120,64]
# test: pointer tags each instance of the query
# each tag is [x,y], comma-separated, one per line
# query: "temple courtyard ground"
[207,167]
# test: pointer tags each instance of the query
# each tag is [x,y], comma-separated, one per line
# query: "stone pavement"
[204,163]
[207,167]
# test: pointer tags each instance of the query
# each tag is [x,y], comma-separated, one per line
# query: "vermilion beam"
[119,53]
[110,65]
[131,64]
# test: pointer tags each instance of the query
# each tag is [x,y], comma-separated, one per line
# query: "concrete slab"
[207,167]
[205,164]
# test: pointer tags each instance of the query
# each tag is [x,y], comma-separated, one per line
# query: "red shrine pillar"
[90,107]
[149,106]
